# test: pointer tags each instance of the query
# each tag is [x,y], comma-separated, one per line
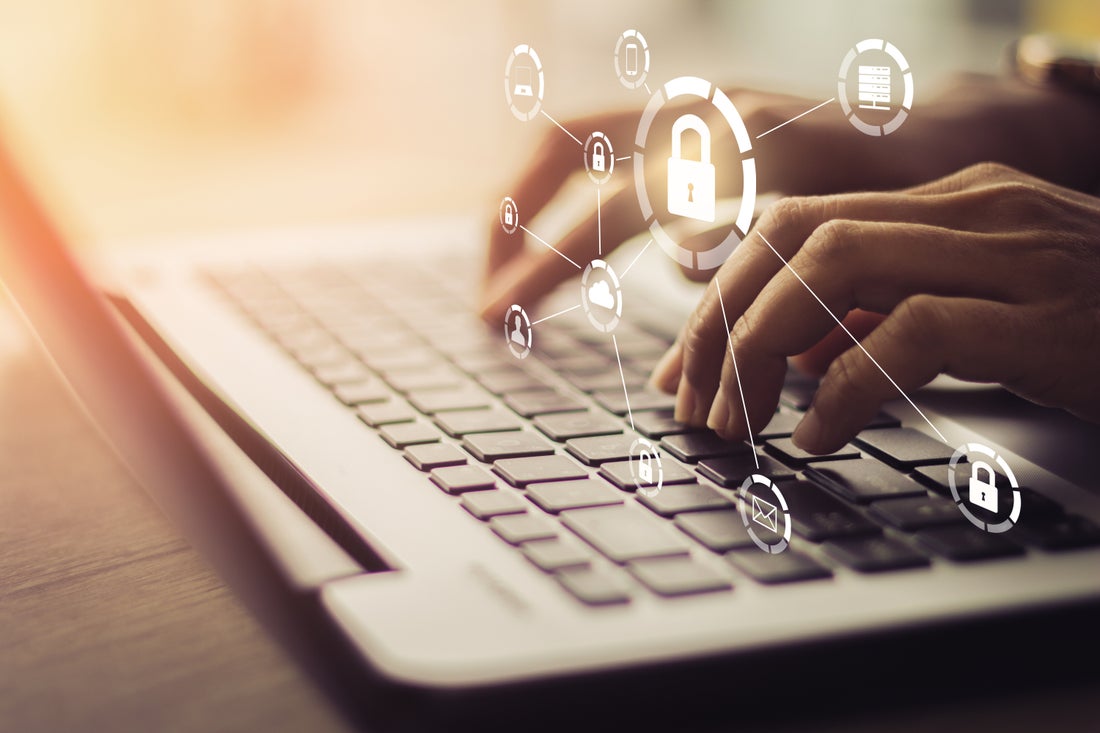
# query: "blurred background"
[187,115]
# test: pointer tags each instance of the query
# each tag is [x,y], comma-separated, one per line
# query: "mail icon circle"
[760,514]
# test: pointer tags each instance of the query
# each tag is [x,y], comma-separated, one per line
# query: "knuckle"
[783,213]
[917,320]
[991,171]
[842,376]
[836,239]
[694,341]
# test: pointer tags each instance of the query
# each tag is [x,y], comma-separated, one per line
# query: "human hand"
[989,275]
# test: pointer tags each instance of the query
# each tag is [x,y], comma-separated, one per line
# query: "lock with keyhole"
[983,486]
[691,182]
[509,217]
[645,467]
[599,157]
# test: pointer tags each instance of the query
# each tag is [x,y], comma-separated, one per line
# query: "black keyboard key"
[916,513]
[618,473]
[593,587]
[489,504]
[732,471]
[625,533]
[606,380]
[557,496]
[601,448]
[864,480]
[530,404]
[502,382]
[467,422]
[904,447]
[1065,532]
[568,425]
[460,479]
[360,393]
[798,391]
[489,447]
[431,401]
[523,471]
[792,455]
[966,543]
[678,576]
[647,399]
[554,555]
[672,500]
[817,515]
[789,566]
[874,554]
[402,435]
[657,424]
[386,413]
[719,531]
[515,529]
[691,447]
[427,456]
[782,425]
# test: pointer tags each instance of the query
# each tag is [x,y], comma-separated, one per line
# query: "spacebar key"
[625,533]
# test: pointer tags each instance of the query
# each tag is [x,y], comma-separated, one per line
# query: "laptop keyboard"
[538,450]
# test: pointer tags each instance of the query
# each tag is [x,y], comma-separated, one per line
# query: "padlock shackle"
[691,122]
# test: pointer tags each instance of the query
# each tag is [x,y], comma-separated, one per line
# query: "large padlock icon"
[645,467]
[691,182]
[599,157]
[509,217]
[983,489]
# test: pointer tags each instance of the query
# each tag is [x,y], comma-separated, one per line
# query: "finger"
[924,336]
[535,273]
[816,360]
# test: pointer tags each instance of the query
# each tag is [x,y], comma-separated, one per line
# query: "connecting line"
[574,264]
[795,118]
[599,224]
[737,373]
[626,396]
[562,128]
[636,258]
[559,313]
[625,157]
[857,342]
[647,89]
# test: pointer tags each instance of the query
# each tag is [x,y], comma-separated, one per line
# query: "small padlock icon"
[509,217]
[691,182]
[645,467]
[599,158]
[983,489]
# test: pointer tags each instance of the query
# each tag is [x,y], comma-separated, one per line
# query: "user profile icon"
[631,59]
[524,82]
[875,87]
[509,215]
[518,333]
[765,514]
[599,158]
[601,296]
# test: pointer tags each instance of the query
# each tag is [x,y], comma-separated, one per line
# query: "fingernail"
[686,398]
[666,375]
[719,417]
[809,433]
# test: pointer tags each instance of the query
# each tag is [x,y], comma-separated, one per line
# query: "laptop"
[476,528]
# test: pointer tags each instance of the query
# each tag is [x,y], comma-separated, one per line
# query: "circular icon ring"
[874,87]
[599,158]
[509,215]
[966,451]
[601,296]
[518,333]
[524,83]
[694,87]
[645,468]
[755,510]
[631,59]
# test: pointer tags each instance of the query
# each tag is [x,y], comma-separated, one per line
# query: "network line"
[562,128]
[563,256]
[814,109]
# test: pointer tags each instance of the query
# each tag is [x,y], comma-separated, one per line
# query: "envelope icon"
[765,514]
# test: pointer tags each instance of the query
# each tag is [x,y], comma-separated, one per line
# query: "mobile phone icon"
[631,59]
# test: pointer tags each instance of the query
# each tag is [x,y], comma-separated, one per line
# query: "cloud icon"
[599,293]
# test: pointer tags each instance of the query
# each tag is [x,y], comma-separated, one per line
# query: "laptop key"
[489,504]
[691,447]
[614,401]
[874,554]
[817,515]
[731,471]
[782,425]
[719,531]
[606,380]
[672,500]
[523,471]
[347,372]
[618,473]
[593,587]
[402,435]
[440,377]
[657,424]
[788,566]
[966,543]
[427,456]
[502,382]
[386,413]
[489,447]
[1065,532]
[359,393]
[530,404]
[558,554]
[460,423]
[431,401]
[568,425]
[916,513]
[904,447]
[515,529]
[678,576]
[792,455]
[599,449]
[624,533]
[559,496]
[864,480]
[460,479]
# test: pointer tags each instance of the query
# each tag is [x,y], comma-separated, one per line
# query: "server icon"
[874,87]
